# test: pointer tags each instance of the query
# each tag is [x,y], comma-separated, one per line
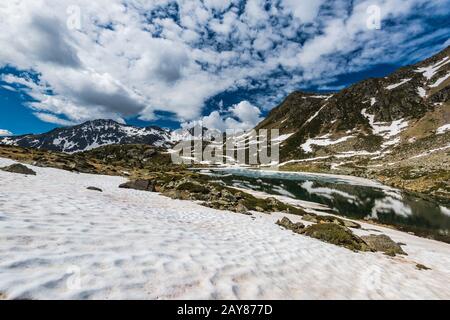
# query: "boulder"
[140,184]
[19,168]
[338,221]
[240,208]
[351,224]
[310,218]
[336,234]
[177,194]
[94,189]
[384,244]
[288,224]
[331,219]
[422,267]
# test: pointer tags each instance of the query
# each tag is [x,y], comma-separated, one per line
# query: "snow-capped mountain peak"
[92,134]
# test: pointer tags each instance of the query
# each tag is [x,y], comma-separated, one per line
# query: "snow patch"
[282,138]
[128,244]
[393,86]
[385,129]
[422,92]
[443,129]
[322,141]
[424,154]
[316,114]
[439,81]
[429,72]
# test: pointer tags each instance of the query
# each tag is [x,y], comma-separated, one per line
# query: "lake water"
[350,197]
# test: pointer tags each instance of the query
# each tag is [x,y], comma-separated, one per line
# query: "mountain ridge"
[394,129]
[368,116]
[375,109]
[90,135]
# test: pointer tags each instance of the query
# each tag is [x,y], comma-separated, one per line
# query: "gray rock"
[310,218]
[288,224]
[140,184]
[422,267]
[228,196]
[336,234]
[19,168]
[94,189]
[351,224]
[384,244]
[240,208]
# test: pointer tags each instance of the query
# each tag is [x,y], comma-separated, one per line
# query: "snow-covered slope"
[59,240]
[91,135]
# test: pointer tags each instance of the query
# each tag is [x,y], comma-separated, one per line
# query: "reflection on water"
[357,199]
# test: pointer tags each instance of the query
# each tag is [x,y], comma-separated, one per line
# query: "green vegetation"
[335,234]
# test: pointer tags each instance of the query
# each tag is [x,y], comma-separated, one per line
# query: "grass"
[335,234]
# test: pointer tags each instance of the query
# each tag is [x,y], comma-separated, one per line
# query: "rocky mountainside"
[91,135]
[195,132]
[400,121]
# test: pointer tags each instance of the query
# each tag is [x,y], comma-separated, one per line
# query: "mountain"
[90,135]
[194,133]
[396,125]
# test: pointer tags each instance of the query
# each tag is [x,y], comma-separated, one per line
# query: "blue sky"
[173,62]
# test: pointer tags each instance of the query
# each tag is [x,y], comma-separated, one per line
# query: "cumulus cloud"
[134,58]
[48,42]
[5,133]
[240,117]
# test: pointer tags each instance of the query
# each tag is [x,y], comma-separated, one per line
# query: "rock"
[384,244]
[228,196]
[239,195]
[84,167]
[240,208]
[140,184]
[310,218]
[19,168]
[331,219]
[336,234]
[288,224]
[222,203]
[273,202]
[259,209]
[192,186]
[94,189]
[351,224]
[422,267]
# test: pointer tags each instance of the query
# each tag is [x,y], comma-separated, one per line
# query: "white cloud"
[246,112]
[305,11]
[133,57]
[9,88]
[5,133]
[46,117]
[242,116]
